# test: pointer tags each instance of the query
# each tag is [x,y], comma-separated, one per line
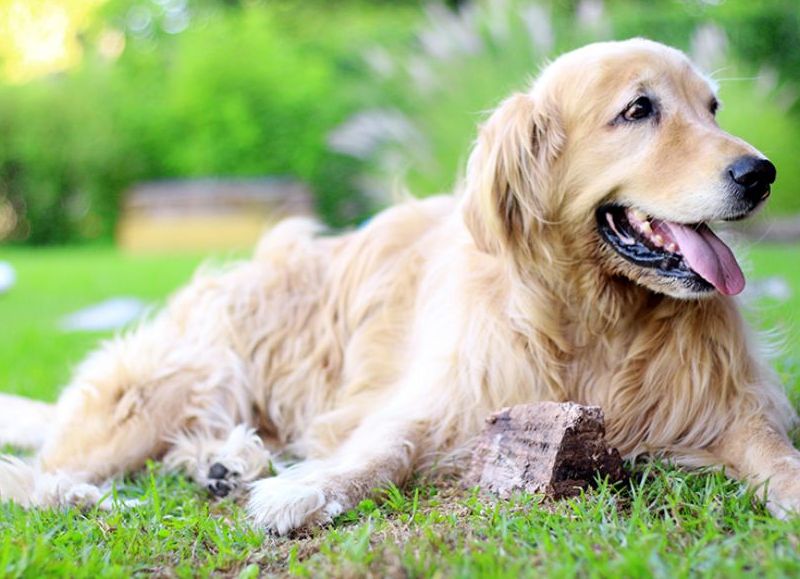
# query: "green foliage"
[59,154]
[754,115]
[666,523]
[255,87]
[240,92]
[763,33]
[176,529]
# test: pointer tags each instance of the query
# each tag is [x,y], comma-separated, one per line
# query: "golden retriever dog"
[575,263]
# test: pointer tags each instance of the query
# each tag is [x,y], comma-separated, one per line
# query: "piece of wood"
[548,447]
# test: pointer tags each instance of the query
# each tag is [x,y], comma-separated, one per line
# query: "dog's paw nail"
[219,488]
[217,471]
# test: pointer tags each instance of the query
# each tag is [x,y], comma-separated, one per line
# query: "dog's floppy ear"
[505,195]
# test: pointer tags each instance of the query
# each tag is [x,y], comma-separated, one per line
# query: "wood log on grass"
[552,448]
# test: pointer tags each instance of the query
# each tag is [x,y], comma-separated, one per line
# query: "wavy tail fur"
[24,484]
[24,423]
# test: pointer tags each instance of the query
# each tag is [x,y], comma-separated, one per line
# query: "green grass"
[664,523]
[35,357]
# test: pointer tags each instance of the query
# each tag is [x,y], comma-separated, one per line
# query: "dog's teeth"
[671,247]
[639,215]
[658,240]
[646,228]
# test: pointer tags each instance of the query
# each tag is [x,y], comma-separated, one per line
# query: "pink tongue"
[707,255]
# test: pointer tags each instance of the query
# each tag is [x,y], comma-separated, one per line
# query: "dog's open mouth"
[690,253]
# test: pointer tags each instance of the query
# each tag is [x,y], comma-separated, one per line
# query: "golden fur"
[381,351]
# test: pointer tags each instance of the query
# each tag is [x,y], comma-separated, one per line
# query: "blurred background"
[352,99]
[137,135]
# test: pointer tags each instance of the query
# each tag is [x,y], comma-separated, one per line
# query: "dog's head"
[617,146]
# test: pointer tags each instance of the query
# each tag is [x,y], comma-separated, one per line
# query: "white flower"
[539,27]
[708,46]
[8,277]
[366,132]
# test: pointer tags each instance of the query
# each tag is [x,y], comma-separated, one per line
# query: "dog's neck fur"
[627,335]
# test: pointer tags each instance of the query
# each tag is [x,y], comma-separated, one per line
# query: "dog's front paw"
[84,496]
[783,490]
[241,459]
[783,506]
[222,480]
[281,505]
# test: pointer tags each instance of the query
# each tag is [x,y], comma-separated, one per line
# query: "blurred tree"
[761,33]
[248,90]
[42,36]
[171,88]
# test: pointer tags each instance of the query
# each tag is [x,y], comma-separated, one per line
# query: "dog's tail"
[17,480]
[25,423]
[24,483]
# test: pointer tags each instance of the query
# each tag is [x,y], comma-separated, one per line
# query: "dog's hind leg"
[221,463]
[120,410]
[120,406]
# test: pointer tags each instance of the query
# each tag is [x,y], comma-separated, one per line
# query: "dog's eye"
[639,109]
[713,106]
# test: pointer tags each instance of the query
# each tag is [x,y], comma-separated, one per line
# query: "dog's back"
[321,322]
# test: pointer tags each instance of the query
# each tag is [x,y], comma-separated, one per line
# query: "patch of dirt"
[386,540]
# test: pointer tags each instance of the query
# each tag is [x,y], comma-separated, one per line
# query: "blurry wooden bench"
[206,214]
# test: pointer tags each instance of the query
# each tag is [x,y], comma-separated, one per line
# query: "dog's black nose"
[753,175]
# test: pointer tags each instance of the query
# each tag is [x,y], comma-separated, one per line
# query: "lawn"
[665,523]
